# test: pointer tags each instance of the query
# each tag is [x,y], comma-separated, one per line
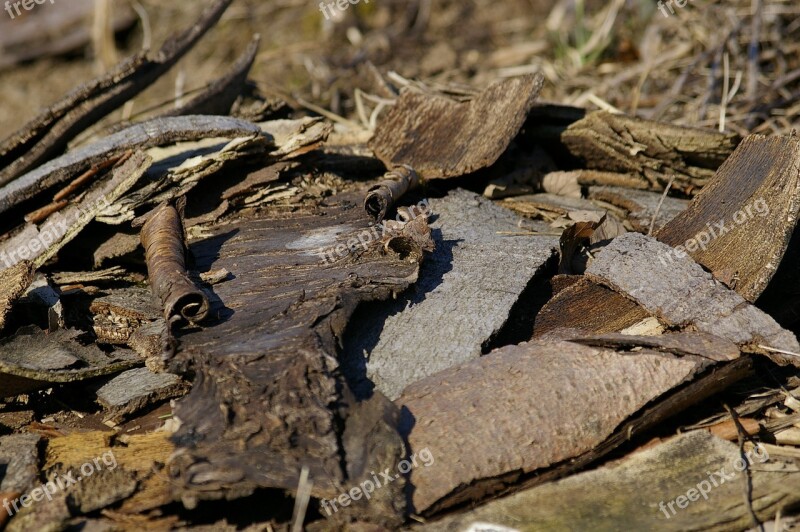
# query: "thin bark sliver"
[164,245]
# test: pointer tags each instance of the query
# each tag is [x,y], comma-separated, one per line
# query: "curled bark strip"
[381,197]
[164,245]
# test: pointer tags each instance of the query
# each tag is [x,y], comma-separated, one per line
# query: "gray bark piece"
[636,493]
[463,297]
[19,462]
[135,389]
[681,293]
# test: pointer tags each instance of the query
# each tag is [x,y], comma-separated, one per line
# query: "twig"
[660,203]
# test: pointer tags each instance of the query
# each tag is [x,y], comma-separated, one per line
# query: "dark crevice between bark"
[522,316]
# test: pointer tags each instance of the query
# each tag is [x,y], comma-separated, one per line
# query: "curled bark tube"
[164,246]
[382,196]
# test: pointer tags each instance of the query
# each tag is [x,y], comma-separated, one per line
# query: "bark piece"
[50,132]
[442,138]
[164,243]
[460,284]
[682,294]
[136,389]
[635,493]
[653,150]
[381,197]
[157,132]
[14,281]
[31,359]
[126,308]
[271,402]
[19,462]
[748,211]
[40,243]
[577,307]
[683,343]
[759,167]
[641,205]
[555,384]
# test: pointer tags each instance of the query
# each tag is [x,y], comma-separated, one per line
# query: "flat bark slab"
[271,402]
[19,462]
[655,151]
[32,359]
[442,138]
[474,427]
[470,283]
[635,493]
[681,294]
[136,389]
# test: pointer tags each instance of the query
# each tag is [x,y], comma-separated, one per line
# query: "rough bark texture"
[462,414]
[654,151]
[156,132]
[135,389]
[13,283]
[41,242]
[470,283]
[627,495]
[756,196]
[441,138]
[271,402]
[682,294]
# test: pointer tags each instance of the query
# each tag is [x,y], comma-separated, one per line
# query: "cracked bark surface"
[276,394]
